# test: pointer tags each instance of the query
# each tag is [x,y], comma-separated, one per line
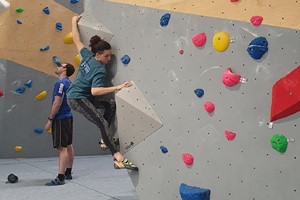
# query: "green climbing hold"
[19,10]
[279,143]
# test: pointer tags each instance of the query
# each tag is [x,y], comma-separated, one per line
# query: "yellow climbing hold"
[18,148]
[221,41]
[49,131]
[77,60]
[41,95]
[68,39]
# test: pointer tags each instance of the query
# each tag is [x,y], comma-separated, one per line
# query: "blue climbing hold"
[45,48]
[164,20]
[193,193]
[38,130]
[199,92]
[19,22]
[57,61]
[46,10]
[28,83]
[58,26]
[163,149]
[74,1]
[125,59]
[20,90]
[258,47]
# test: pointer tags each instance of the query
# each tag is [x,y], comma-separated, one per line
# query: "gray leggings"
[88,108]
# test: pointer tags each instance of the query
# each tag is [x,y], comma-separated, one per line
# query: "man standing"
[60,121]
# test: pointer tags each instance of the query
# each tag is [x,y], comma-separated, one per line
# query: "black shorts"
[62,132]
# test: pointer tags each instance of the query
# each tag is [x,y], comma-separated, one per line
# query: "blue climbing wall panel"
[246,167]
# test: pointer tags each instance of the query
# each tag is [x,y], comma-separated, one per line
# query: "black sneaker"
[55,182]
[125,164]
[68,177]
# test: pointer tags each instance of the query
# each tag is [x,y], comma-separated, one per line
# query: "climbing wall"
[167,68]
[22,118]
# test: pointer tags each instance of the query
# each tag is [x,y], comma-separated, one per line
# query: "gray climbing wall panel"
[90,26]
[77,7]
[245,168]
[137,119]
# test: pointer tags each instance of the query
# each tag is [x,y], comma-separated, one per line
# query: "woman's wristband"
[50,119]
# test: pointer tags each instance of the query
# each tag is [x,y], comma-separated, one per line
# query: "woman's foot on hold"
[125,164]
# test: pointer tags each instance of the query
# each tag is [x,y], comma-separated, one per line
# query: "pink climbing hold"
[199,39]
[230,79]
[256,20]
[181,51]
[229,135]
[209,106]
[187,158]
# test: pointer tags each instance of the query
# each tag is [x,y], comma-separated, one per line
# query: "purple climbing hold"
[164,20]
[163,149]
[258,47]
[28,83]
[45,48]
[193,193]
[20,90]
[46,10]
[58,26]
[199,92]
[38,130]
[57,61]
[74,1]
[125,59]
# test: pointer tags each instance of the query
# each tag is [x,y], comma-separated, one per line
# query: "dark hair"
[70,69]
[98,45]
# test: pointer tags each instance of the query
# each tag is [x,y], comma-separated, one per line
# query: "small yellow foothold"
[77,60]
[49,131]
[18,148]
[41,95]
[68,39]
[221,41]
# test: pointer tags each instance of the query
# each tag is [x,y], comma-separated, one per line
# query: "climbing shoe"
[125,164]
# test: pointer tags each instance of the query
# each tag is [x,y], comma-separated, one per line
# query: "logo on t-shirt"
[61,88]
[86,67]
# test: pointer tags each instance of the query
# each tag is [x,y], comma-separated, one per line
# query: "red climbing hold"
[1,93]
[181,51]
[229,135]
[187,158]
[209,106]
[234,0]
[256,20]
[286,96]
[199,39]
[230,79]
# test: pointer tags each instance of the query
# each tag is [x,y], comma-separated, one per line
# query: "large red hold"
[286,95]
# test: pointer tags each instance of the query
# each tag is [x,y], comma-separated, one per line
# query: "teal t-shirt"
[91,73]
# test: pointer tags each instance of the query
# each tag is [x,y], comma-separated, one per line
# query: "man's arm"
[55,106]
[54,109]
